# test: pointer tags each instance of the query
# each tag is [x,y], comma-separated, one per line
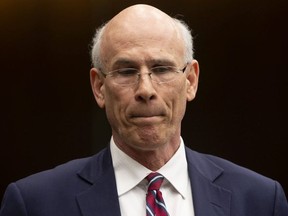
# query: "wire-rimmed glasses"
[130,76]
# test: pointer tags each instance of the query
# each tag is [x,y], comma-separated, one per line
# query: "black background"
[48,113]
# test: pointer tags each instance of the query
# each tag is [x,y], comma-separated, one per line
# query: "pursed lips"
[146,118]
[146,114]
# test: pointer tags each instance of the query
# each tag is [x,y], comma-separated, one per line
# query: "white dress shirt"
[132,186]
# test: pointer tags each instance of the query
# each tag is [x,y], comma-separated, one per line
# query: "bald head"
[140,12]
[138,25]
[141,18]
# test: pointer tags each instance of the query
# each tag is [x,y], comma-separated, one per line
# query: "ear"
[97,84]
[192,80]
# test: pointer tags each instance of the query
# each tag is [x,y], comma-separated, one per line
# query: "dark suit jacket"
[87,187]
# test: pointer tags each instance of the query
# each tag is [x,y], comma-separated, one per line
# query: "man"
[143,75]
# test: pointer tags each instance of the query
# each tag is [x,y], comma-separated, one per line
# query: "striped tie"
[155,205]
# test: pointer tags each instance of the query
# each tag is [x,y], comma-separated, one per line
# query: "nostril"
[144,98]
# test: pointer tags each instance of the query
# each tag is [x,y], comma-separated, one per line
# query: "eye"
[161,69]
[126,72]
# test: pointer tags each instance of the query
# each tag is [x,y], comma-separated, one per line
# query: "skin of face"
[146,117]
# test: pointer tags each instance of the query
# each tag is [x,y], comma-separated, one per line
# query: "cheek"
[179,100]
[116,101]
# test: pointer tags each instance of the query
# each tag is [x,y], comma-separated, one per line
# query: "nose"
[145,90]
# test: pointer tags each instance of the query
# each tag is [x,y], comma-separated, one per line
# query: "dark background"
[48,113]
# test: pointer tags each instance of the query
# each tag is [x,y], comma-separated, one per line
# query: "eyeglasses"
[130,76]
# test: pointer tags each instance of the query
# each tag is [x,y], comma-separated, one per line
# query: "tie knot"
[154,181]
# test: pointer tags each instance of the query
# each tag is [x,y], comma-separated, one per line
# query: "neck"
[152,159]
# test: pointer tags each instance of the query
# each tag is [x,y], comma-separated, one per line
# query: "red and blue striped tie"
[155,205]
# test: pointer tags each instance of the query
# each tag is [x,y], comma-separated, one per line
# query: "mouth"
[147,119]
[146,114]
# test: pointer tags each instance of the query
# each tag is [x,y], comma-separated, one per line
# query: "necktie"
[155,205]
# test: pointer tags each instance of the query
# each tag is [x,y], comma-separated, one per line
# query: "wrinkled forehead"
[141,30]
[141,27]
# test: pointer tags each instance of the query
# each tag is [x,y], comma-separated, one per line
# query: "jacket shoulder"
[233,177]
[44,191]
[61,176]
[248,188]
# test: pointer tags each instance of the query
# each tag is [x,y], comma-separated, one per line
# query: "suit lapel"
[208,198]
[101,198]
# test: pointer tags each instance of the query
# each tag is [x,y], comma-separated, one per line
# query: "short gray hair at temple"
[183,28]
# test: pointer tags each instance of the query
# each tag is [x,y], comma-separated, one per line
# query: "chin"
[150,141]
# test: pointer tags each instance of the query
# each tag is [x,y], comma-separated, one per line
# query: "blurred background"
[49,115]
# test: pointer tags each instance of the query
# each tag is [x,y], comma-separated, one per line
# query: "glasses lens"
[125,76]
[163,74]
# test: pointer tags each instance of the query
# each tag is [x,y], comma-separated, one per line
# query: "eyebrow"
[123,62]
[129,62]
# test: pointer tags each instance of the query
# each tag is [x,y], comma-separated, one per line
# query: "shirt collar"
[128,172]
[174,171]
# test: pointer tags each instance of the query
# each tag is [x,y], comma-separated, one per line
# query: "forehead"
[142,39]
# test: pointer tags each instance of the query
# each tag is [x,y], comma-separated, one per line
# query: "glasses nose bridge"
[140,75]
